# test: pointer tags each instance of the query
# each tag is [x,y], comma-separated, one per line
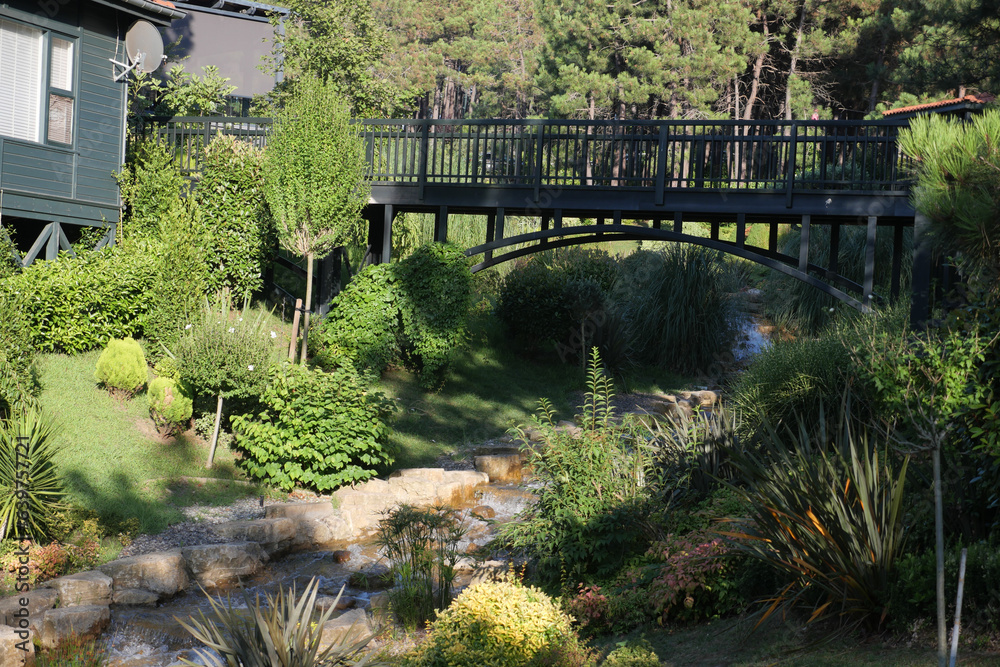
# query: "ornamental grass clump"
[121,368]
[501,624]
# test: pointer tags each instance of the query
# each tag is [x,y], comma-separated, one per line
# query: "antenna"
[144,47]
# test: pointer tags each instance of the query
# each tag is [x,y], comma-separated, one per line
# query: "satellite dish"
[144,47]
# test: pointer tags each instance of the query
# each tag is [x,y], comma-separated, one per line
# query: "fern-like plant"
[283,632]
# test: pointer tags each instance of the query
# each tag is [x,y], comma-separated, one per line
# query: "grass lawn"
[112,459]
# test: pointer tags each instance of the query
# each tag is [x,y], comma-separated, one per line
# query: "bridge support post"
[804,245]
[441,225]
[897,260]
[385,255]
[678,222]
[741,229]
[921,281]
[869,284]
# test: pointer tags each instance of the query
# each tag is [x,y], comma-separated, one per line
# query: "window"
[36,84]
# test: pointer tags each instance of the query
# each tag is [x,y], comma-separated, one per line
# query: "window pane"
[60,119]
[61,72]
[20,80]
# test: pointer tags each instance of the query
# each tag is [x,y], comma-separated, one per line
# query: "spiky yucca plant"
[830,519]
[283,632]
[31,491]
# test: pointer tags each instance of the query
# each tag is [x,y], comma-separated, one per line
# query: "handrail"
[774,156]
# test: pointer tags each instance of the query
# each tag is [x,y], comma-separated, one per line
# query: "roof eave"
[153,11]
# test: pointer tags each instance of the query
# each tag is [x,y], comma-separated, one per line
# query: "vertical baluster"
[869,284]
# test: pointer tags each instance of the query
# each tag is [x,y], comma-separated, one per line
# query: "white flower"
[188,326]
[831,309]
[250,367]
[241,319]
[274,335]
[232,329]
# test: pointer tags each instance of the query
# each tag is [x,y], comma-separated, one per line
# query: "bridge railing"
[775,156]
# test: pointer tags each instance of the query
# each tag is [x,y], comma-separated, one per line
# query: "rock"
[454,493]
[81,622]
[334,528]
[435,475]
[500,467]
[347,629]
[299,511]
[483,512]
[275,535]
[372,577]
[341,556]
[414,490]
[703,399]
[84,588]
[135,597]
[214,565]
[469,478]
[324,602]
[491,570]
[379,603]
[16,647]
[37,602]
[163,572]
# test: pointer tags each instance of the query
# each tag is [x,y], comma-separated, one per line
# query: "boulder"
[703,399]
[372,577]
[135,597]
[16,647]
[163,572]
[483,512]
[214,565]
[435,475]
[80,622]
[84,588]
[500,467]
[275,535]
[347,629]
[324,602]
[333,528]
[37,602]
[413,491]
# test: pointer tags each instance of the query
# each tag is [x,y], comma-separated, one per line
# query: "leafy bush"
[151,184]
[587,517]
[421,546]
[121,368]
[170,404]
[532,306]
[502,624]
[319,430]
[632,654]
[31,490]
[74,304]
[18,384]
[286,630]
[830,522]
[181,278]
[413,311]
[240,233]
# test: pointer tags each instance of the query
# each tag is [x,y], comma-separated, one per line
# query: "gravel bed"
[198,528]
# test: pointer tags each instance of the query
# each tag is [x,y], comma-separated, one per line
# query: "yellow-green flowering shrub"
[121,368]
[501,624]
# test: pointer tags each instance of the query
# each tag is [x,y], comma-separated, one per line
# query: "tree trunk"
[215,433]
[794,62]
[939,547]
[758,67]
[309,291]
[295,330]
[873,95]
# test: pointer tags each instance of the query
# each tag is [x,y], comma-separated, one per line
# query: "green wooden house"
[62,118]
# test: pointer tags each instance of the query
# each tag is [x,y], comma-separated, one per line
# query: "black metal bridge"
[637,180]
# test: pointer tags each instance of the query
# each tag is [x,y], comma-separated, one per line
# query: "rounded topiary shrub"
[121,368]
[501,624]
[171,404]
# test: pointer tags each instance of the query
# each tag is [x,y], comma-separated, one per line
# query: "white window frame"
[42,88]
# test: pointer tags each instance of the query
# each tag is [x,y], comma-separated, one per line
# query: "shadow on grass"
[122,501]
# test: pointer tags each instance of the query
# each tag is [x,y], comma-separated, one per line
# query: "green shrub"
[532,305]
[674,307]
[181,278]
[285,630]
[362,324]
[587,518]
[314,429]
[74,304]
[413,311]
[121,368]
[167,367]
[830,522]
[18,384]
[151,184]
[501,624]
[435,294]
[170,404]
[240,239]
[421,546]
[31,490]
[635,653]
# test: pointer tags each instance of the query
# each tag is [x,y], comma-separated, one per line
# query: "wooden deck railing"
[664,156]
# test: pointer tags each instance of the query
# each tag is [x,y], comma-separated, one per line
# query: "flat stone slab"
[84,588]
[349,628]
[163,572]
[299,511]
[275,535]
[36,602]
[135,597]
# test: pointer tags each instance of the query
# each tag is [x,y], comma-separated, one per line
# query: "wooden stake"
[295,330]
